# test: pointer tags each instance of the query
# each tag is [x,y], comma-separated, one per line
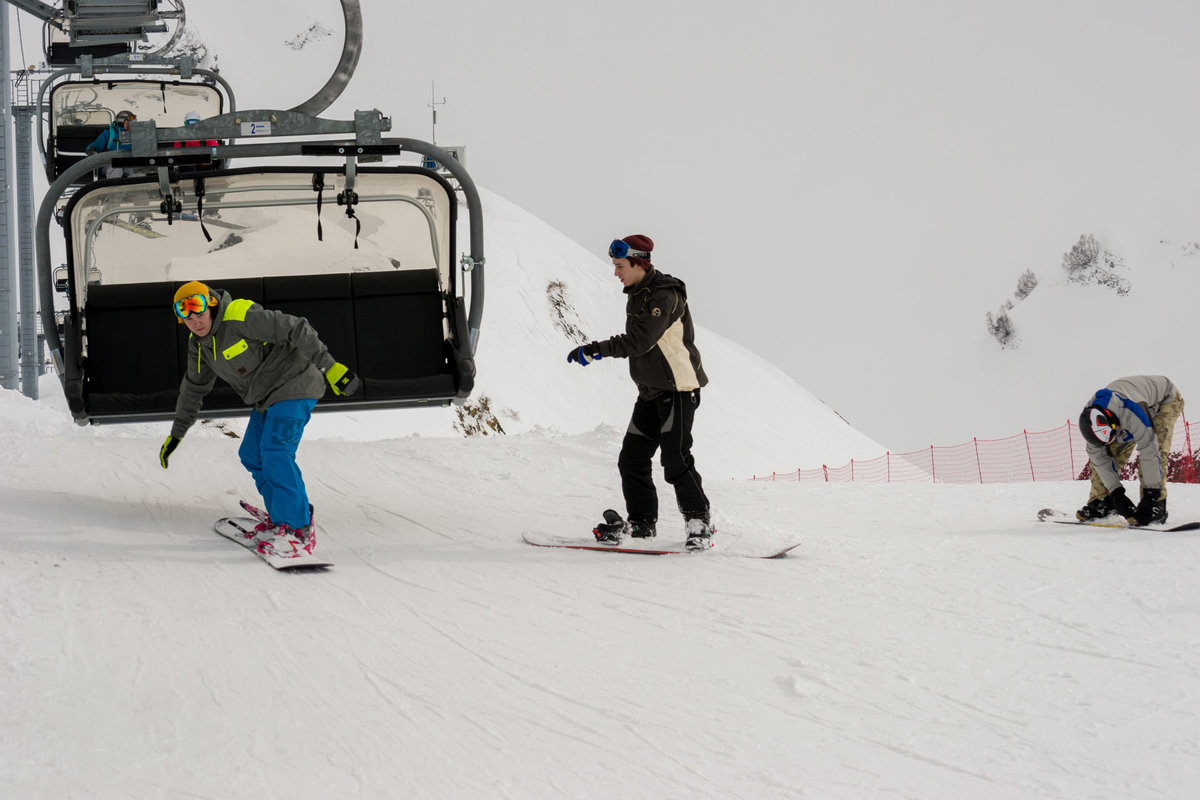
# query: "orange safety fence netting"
[1055,455]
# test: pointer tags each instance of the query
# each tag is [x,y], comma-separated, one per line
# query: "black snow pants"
[663,422]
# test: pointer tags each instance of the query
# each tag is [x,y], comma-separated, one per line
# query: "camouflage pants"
[1164,428]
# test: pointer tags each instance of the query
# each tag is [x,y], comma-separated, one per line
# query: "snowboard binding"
[612,530]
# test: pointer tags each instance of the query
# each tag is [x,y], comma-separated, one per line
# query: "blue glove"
[583,355]
[342,380]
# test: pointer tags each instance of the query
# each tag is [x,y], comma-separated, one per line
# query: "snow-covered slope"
[924,641]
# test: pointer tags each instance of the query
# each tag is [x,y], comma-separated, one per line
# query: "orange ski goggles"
[192,304]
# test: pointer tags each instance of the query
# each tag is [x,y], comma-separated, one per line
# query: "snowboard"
[1114,521]
[241,530]
[544,540]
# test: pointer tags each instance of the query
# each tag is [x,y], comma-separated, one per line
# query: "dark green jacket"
[265,355]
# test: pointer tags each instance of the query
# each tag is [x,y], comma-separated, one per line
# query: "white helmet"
[190,117]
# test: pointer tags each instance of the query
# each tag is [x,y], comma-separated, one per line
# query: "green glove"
[168,447]
[342,380]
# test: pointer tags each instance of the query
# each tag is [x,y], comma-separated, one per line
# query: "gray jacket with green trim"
[265,355]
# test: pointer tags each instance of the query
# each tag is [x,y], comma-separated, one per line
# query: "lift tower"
[80,29]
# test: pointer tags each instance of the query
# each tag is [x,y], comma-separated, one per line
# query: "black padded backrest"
[398,316]
[76,138]
[62,53]
[132,335]
[69,142]
[387,327]
[240,288]
[325,301]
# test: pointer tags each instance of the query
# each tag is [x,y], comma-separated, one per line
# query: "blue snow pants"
[269,452]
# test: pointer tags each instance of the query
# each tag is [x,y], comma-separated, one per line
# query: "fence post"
[1071,450]
[1187,440]
[1029,455]
[932,466]
[825,469]
[978,466]
[852,470]
[889,466]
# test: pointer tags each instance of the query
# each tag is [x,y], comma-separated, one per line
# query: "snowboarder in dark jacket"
[666,367]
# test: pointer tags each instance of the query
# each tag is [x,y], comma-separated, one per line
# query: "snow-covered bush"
[1000,325]
[563,314]
[1088,263]
[476,418]
[1001,328]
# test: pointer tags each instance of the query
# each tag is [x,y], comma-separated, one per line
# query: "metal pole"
[8,250]
[31,354]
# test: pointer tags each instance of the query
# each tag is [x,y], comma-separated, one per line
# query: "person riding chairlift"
[191,118]
[110,139]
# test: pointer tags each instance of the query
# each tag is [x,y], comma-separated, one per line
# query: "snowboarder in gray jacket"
[276,363]
[1138,411]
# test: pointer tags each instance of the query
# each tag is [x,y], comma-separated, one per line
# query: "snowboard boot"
[289,542]
[642,530]
[1099,508]
[612,529]
[1158,506]
[699,532]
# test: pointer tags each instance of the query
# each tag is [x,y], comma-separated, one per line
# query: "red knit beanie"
[640,242]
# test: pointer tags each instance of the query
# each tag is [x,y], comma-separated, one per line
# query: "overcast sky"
[824,173]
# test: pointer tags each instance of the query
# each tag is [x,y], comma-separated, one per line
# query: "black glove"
[1121,503]
[1145,509]
[91,151]
[168,447]
[584,355]
[342,380]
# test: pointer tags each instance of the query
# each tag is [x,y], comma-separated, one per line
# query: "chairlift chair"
[77,111]
[376,278]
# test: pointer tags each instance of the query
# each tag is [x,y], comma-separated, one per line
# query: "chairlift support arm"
[351,49]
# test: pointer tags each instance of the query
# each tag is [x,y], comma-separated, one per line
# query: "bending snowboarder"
[277,363]
[1137,411]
